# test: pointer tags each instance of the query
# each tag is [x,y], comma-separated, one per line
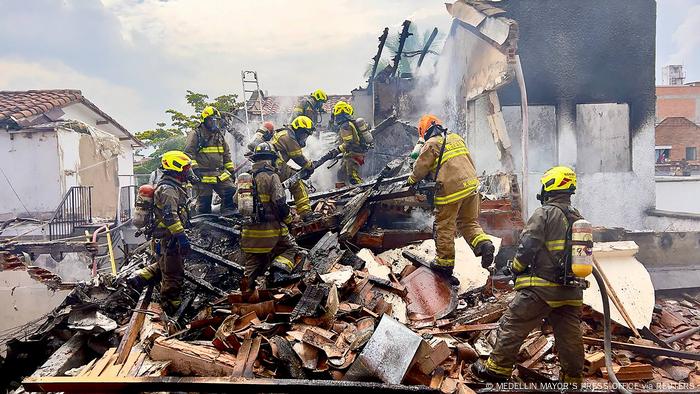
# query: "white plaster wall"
[126,164]
[620,199]
[678,194]
[30,162]
[69,158]
[25,299]
[79,111]
[611,199]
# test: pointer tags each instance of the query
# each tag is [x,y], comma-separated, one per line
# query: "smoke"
[439,84]
[73,267]
[316,146]
[422,219]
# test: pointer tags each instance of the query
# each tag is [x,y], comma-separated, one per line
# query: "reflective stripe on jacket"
[170,205]
[457,177]
[210,154]
[287,148]
[541,251]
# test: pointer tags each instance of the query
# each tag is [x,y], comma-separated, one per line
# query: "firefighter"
[170,243]
[211,161]
[311,106]
[539,278]
[456,198]
[266,239]
[263,134]
[355,140]
[288,142]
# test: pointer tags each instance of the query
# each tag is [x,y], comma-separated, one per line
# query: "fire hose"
[607,337]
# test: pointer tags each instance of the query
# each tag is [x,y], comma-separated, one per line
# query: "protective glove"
[183,244]
[306,173]
[486,251]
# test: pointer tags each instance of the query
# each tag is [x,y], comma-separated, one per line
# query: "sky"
[137,58]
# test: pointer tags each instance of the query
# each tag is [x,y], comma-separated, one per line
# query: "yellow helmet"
[559,178]
[175,160]
[303,123]
[341,107]
[209,111]
[320,95]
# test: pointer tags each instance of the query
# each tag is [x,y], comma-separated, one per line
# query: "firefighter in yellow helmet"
[538,267]
[311,106]
[211,161]
[355,140]
[170,243]
[265,240]
[456,198]
[288,142]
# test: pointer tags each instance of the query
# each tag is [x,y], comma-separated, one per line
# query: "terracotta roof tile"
[283,104]
[26,103]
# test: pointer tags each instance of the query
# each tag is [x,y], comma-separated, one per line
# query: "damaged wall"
[38,186]
[589,73]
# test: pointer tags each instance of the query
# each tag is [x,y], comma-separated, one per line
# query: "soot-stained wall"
[593,51]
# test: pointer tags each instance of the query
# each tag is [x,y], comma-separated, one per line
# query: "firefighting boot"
[445,273]
[480,371]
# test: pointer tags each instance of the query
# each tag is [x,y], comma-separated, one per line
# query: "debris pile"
[347,314]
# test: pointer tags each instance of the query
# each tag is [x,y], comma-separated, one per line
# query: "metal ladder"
[251,86]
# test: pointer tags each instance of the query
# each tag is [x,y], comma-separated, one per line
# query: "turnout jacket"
[170,207]
[210,154]
[306,107]
[457,177]
[350,142]
[263,236]
[538,262]
[288,147]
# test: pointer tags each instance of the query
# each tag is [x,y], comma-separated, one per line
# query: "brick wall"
[679,133]
[678,101]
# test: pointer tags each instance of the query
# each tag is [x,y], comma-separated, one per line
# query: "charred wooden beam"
[645,350]
[203,284]
[135,324]
[211,384]
[218,259]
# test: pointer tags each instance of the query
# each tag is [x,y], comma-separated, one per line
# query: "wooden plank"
[112,368]
[645,350]
[242,358]
[137,366]
[538,355]
[191,359]
[87,368]
[126,367]
[134,328]
[102,363]
[252,356]
[70,355]
[212,384]
[632,372]
[464,328]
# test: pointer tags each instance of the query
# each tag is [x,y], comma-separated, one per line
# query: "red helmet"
[269,126]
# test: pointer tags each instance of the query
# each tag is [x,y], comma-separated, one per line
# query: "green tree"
[166,137]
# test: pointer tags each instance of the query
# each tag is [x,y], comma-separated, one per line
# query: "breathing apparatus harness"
[428,134]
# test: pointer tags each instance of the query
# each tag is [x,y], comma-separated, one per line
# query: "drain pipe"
[525,134]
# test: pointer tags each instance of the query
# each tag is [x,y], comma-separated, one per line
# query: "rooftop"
[16,106]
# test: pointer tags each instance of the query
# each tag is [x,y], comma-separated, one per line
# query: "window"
[663,154]
[691,153]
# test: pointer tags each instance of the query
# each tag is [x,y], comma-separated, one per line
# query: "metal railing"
[75,209]
[127,198]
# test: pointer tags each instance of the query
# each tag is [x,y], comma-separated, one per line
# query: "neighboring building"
[678,101]
[52,140]
[677,139]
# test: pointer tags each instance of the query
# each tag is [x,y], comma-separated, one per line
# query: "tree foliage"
[165,137]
